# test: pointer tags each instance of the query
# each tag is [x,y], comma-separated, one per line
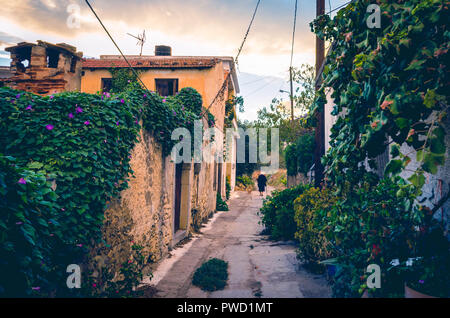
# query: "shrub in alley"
[311,211]
[278,213]
[299,155]
[221,205]
[212,275]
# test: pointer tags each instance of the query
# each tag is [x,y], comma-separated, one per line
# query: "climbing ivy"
[389,89]
[81,145]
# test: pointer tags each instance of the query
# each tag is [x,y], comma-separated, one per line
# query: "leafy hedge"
[221,205]
[299,155]
[81,143]
[278,213]
[390,88]
[310,207]
[27,228]
[212,275]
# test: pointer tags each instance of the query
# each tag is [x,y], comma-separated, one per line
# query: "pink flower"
[36,288]
[164,100]
[117,123]
[17,96]
[22,181]
[51,97]
[79,110]
[49,127]
[70,115]
[80,245]
[87,123]
[94,285]
[145,95]
[122,101]
[19,223]
[29,107]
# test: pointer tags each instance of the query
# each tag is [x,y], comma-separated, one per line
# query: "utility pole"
[292,94]
[291,68]
[320,128]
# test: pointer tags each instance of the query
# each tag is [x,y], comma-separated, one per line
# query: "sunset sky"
[190,27]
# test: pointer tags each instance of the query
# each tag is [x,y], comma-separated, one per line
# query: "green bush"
[278,213]
[228,188]
[82,143]
[309,207]
[221,205]
[245,181]
[300,155]
[28,229]
[212,275]
[191,100]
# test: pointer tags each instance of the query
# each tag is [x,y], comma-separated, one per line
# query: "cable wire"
[234,62]
[293,33]
[118,48]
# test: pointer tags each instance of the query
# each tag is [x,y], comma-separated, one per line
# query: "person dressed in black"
[262,182]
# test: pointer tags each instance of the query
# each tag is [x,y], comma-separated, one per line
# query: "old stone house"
[165,202]
[44,68]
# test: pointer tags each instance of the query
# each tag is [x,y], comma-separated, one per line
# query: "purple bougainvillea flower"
[87,123]
[51,97]
[105,141]
[80,245]
[49,127]
[22,181]
[18,96]
[136,122]
[62,209]
[19,223]
[182,108]
[117,123]
[122,101]
[29,107]
[70,115]
[145,95]
[79,110]
[421,281]
[36,288]
[174,113]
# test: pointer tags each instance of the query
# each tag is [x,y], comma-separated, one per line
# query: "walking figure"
[262,181]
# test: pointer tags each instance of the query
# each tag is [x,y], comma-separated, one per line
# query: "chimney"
[163,50]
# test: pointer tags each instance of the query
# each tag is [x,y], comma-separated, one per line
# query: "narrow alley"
[257,266]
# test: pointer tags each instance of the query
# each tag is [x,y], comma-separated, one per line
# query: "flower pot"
[411,293]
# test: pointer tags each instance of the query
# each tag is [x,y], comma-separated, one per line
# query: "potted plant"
[428,276]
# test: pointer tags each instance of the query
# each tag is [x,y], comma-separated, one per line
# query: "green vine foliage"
[27,223]
[391,83]
[299,155]
[389,87]
[82,144]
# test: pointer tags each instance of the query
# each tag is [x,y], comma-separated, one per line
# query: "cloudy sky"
[190,27]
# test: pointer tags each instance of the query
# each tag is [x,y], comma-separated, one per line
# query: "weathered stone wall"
[143,213]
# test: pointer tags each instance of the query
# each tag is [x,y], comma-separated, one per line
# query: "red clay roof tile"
[153,62]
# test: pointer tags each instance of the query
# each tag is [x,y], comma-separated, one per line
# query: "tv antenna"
[141,40]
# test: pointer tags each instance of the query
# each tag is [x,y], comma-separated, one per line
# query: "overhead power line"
[118,48]
[293,32]
[234,62]
[340,7]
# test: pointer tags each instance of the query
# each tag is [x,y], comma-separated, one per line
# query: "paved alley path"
[257,267]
